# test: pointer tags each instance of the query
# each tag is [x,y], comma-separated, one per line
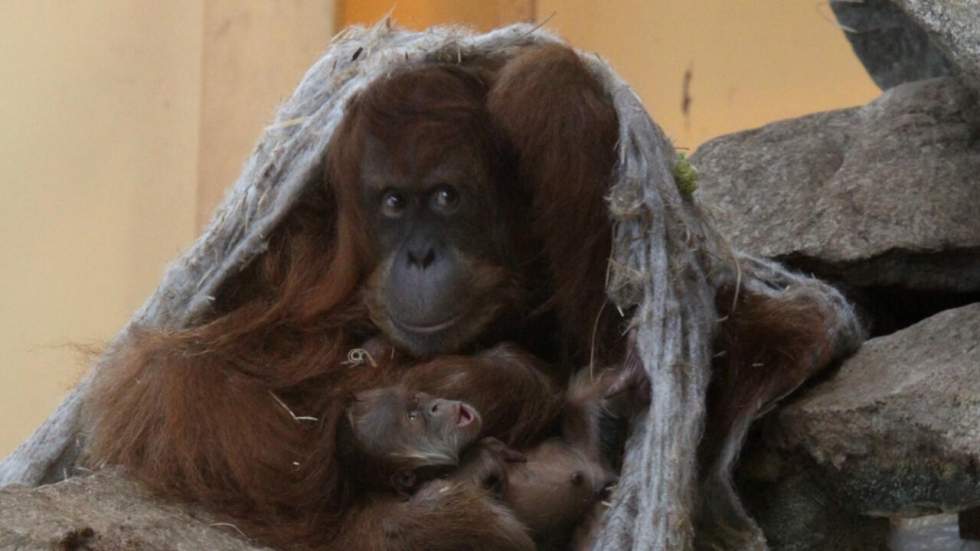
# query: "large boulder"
[954,26]
[881,195]
[105,511]
[891,46]
[896,432]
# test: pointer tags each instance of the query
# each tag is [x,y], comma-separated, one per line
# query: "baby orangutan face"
[411,434]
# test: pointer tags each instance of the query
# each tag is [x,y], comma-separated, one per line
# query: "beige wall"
[419,14]
[98,160]
[123,121]
[255,52]
[751,61]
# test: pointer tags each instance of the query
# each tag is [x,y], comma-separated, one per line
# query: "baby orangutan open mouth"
[466,415]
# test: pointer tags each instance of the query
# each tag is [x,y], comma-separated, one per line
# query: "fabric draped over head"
[665,266]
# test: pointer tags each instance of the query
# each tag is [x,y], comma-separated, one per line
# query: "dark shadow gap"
[886,310]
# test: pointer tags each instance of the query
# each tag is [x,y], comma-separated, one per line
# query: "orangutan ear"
[403,482]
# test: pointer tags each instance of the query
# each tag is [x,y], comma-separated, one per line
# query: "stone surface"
[896,432]
[932,533]
[886,194]
[798,512]
[106,512]
[890,45]
[954,26]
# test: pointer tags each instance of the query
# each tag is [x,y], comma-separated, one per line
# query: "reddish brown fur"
[196,413]
[543,100]
[765,349]
[444,515]
[555,489]
[563,479]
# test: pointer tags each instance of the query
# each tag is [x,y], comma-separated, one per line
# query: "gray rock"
[896,431]
[954,26]
[797,511]
[886,194]
[106,511]
[890,45]
[931,533]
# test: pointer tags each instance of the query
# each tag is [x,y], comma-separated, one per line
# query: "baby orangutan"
[428,488]
[394,438]
[395,443]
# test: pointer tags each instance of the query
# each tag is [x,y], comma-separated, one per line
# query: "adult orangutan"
[440,241]
[462,204]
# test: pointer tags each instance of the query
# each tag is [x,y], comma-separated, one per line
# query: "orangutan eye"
[445,198]
[414,407]
[392,204]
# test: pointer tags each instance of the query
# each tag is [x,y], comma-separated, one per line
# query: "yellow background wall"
[124,121]
[751,61]
[98,157]
[419,14]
